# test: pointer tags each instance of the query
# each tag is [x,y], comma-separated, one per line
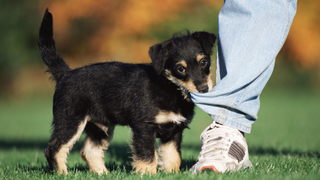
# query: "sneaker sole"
[209,169]
[246,165]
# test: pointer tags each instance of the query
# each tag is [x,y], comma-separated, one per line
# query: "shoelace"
[216,140]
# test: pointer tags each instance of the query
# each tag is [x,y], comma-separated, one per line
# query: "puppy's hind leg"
[65,135]
[97,140]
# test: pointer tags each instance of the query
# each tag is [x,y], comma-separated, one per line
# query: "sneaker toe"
[209,168]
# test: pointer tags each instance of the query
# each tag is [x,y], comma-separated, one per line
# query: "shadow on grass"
[122,149]
[276,152]
[120,152]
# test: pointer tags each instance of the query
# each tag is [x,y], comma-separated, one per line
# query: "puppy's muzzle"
[203,89]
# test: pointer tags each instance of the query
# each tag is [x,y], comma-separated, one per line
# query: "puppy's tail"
[49,54]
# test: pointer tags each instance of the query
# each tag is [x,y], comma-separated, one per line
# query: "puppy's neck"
[185,93]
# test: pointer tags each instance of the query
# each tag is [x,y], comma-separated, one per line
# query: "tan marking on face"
[93,154]
[184,87]
[170,157]
[188,85]
[168,74]
[183,63]
[200,56]
[166,117]
[144,167]
[61,156]
[210,83]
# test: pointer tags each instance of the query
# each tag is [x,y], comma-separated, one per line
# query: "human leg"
[251,33]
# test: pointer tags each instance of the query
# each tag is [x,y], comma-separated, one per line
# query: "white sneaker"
[223,149]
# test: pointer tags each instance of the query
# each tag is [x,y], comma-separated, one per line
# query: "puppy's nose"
[203,89]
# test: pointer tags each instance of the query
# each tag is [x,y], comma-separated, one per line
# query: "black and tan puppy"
[153,100]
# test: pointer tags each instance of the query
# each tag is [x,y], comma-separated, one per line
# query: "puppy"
[152,99]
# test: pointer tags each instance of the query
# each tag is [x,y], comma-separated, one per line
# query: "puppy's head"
[185,60]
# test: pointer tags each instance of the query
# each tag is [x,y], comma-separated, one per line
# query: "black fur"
[116,93]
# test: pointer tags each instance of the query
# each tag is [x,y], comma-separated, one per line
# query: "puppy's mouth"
[206,87]
[189,86]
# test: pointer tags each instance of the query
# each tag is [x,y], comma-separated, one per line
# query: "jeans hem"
[233,123]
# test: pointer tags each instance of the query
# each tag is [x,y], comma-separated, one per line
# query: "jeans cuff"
[238,123]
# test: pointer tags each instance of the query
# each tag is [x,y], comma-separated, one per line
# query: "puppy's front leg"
[171,154]
[145,158]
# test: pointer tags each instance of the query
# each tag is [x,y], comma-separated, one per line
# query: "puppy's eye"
[203,63]
[181,69]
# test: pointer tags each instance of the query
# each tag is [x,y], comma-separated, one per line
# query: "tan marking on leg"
[144,167]
[61,156]
[102,127]
[93,154]
[170,157]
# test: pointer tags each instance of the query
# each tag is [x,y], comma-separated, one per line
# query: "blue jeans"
[251,34]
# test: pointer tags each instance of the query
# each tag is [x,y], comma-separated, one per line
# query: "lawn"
[284,142]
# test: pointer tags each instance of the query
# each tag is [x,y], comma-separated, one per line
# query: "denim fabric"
[251,34]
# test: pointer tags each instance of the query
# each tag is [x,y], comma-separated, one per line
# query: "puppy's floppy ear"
[206,40]
[157,54]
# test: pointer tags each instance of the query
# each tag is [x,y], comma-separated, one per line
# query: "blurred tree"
[89,31]
[303,43]
[121,29]
[115,29]
[18,35]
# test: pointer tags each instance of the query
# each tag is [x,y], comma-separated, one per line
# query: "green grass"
[284,143]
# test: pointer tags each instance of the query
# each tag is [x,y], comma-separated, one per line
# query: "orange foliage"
[303,43]
[120,24]
[121,27]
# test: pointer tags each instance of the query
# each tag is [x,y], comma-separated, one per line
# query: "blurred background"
[89,31]
[94,31]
